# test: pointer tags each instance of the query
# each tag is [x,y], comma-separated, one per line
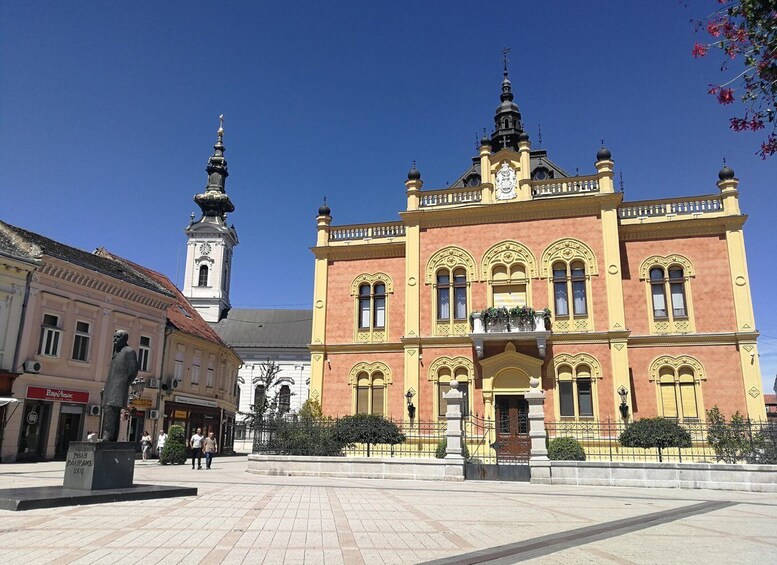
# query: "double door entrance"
[512,428]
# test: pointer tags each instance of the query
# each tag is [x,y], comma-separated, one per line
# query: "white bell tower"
[210,242]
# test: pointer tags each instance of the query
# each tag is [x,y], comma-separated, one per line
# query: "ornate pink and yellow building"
[649,301]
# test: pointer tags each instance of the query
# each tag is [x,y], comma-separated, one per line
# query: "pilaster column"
[524,178]
[320,284]
[486,180]
[539,463]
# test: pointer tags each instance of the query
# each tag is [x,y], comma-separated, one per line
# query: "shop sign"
[180,414]
[57,394]
[195,401]
[141,403]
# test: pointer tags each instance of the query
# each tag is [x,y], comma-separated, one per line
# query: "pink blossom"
[726,96]
[699,50]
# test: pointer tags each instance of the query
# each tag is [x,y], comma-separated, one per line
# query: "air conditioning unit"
[32,366]
[94,410]
[175,384]
[153,414]
[152,383]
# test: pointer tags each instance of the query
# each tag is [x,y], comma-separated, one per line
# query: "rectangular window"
[196,362]
[669,400]
[209,381]
[460,301]
[444,388]
[659,301]
[578,292]
[50,336]
[81,342]
[364,312]
[377,400]
[144,353]
[688,399]
[566,401]
[585,403]
[443,304]
[562,302]
[678,299]
[380,312]
[362,400]
[509,296]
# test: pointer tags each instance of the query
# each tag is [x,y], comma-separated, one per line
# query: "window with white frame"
[178,368]
[284,399]
[144,353]
[203,276]
[372,306]
[668,283]
[81,342]
[451,290]
[50,336]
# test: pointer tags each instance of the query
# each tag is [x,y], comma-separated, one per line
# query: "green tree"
[746,31]
[311,410]
[660,433]
[368,429]
[174,450]
[266,397]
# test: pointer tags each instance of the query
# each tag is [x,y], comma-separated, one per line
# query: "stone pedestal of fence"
[453,432]
[539,463]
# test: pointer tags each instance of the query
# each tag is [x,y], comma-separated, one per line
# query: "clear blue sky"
[109,112]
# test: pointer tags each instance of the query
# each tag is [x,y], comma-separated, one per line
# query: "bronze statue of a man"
[123,370]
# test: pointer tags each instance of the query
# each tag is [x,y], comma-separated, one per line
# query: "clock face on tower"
[205,248]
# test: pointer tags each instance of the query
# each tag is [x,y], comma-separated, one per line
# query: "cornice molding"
[127,291]
[693,227]
[360,250]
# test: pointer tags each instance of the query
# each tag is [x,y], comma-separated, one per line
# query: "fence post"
[453,432]
[539,464]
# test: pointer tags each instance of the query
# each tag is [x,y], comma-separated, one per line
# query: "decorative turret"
[413,186]
[729,192]
[507,119]
[214,201]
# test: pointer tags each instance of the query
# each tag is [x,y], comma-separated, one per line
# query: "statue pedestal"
[99,465]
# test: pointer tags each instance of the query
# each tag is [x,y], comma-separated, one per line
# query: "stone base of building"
[714,476]
[99,465]
[357,467]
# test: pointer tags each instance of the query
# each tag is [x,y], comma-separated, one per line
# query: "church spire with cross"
[211,241]
[507,118]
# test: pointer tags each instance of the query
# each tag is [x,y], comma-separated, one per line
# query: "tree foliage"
[369,429]
[736,441]
[174,450]
[660,433]
[441,451]
[305,436]
[565,449]
[266,404]
[746,30]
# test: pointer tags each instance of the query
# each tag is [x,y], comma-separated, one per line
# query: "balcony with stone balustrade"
[507,327]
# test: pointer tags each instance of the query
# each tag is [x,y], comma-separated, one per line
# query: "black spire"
[507,119]
[214,201]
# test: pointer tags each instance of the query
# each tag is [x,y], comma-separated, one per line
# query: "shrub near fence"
[346,436]
[599,439]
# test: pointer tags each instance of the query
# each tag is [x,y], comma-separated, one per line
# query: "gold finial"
[221,125]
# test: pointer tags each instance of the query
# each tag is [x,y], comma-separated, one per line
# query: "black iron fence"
[341,437]
[747,442]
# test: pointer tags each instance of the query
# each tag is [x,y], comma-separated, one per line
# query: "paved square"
[245,518]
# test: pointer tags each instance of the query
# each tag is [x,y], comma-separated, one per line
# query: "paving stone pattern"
[244,518]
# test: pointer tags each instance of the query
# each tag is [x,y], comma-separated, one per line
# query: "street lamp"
[624,407]
[410,407]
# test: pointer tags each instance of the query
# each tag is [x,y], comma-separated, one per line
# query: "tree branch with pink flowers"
[746,31]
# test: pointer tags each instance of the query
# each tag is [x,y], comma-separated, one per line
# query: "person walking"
[160,443]
[210,448]
[195,444]
[145,444]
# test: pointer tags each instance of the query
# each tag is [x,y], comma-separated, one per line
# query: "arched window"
[203,280]
[444,386]
[678,393]
[673,286]
[570,280]
[372,306]
[284,399]
[575,394]
[509,285]
[370,393]
[259,395]
[451,295]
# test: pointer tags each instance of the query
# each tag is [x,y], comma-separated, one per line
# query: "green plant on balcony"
[495,314]
[523,315]
[546,314]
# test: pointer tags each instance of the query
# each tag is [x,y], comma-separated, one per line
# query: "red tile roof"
[181,315]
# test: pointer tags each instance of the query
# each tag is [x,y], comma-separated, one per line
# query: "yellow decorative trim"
[578,359]
[371,280]
[452,363]
[508,253]
[568,250]
[370,368]
[450,258]
[666,262]
[676,363]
